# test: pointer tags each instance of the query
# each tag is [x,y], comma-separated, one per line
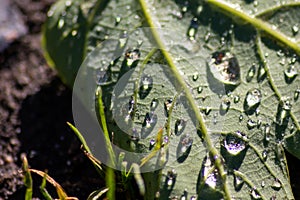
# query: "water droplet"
[154,104]
[103,75]
[261,74]
[267,132]
[207,37]
[146,85]
[123,39]
[167,106]
[171,178]
[195,77]
[184,7]
[117,20]
[60,23]
[296,94]
[199,89]
[251,73]
[135,135]
[295,29]
[184,195]
[179,126]
[207,110]
[150,120]
[238,182]
[50,13]
[149,123]
[252,100]
[279,152]
[215,116]
[184,147]
[264,155]
[225,68]
[284,109]
[151,144]
[290,73]
[263,184]
[193,198]
[234,143]
[224,107]
[251,124]
[236,99]
[74,33]
[132,56]
[208,171]
[241,118]
[276,184]
[254,194]
[131,105]
[192,30]
[68,3]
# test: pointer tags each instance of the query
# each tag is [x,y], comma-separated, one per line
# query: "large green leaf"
[236,123]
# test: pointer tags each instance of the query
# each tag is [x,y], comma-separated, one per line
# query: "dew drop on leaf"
[209,175]
[146,85]
[184,147]
[276,184]
[261,74]
[151,143]
[238,182]
[150,120]
[236,99]
[234,143]
[122,40]
[295,29]
[184,195]
[179,126]
[171,178]
[68,3]
[153,104]
[224,107]
[263,184]
[264,155]
[117,20]
[241,118]
[251,124]
[267,132]
[225,68]
[193,198]
[60,23]
[167,106]
[290,73]
[283,113]
[131,105]
[296,94]
[207,110]
[252,100]
[199,89]
[195,77]
[131,56]
[251,73]
[254,194]
[192,30]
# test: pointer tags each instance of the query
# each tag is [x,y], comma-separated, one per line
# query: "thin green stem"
[277,7]
[205,134]
[104,126]
[259,24]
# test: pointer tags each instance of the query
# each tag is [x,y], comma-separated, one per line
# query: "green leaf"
[224,129]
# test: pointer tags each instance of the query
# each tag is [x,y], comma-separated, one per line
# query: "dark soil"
[34,109]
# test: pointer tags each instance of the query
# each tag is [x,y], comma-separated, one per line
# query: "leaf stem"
[259,24]
[205,134]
